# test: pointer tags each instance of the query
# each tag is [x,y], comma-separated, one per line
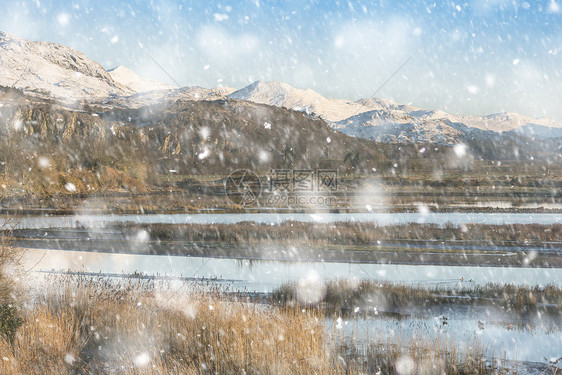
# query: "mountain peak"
[266,88]
[281,94]
[284,95]
[122,69]
[53,69]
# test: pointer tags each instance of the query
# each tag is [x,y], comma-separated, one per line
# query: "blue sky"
[472,57]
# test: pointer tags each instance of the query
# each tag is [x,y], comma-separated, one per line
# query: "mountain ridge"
[53,70]
[47,68]
[368,118]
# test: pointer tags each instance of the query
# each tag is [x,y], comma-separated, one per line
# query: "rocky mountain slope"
[154,97]
[51,70]
[52,148]
[55,70]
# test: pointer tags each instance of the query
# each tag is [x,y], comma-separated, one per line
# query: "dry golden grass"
[349,233]
[9,261]
[346,294]
[419,354]
[94,326]
[81,325]
[101,327]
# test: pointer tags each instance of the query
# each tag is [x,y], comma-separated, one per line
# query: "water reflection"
[499,340]
[440,218]
[519,338]
[264,276]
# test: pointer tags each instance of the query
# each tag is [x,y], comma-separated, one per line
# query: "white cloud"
[370,39]
[216,43]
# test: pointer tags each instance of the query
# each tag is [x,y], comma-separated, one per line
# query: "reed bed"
[347,294]
[349,233]
[84,325]
[137,327]
[421,355]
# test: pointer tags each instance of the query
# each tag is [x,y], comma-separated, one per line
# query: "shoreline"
[36,212]
[305,256]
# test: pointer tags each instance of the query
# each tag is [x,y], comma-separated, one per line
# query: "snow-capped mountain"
[56,71]
[53,69]
[506,121]
[396,127]
[441,127]
[130,79]
[384,120]
[283,95]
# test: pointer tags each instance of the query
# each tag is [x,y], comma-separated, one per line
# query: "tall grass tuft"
[10,319]
[135,327]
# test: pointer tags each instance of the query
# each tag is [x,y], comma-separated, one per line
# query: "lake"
[439,218]
[264,276]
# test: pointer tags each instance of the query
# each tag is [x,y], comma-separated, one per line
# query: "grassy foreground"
[96,326]
[91,326]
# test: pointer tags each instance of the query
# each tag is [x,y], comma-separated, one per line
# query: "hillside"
[51,69]
[69,126]
[47,144]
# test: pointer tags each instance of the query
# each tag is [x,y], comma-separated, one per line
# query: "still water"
[489,327]
[264,276]
[439,218]
[529,344]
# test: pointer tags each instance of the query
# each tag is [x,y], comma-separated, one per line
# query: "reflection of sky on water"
[261,276]
[496,340]
[275,218]
[264,276]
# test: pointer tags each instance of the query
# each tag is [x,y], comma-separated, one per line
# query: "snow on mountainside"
[384,120]
[130,79]
[500,122]
[161,96]
[283,95]
[441,127]
[53,69]
[393,127]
